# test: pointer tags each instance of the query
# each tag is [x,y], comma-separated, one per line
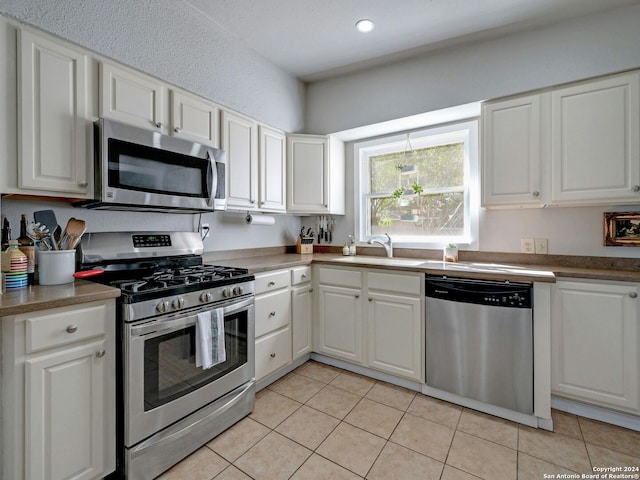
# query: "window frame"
[455,132]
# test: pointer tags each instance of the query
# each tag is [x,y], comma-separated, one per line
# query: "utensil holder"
[56,267]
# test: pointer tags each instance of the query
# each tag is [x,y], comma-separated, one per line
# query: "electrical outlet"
[527,245]
[541,246]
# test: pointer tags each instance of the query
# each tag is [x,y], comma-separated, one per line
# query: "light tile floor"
[321,422]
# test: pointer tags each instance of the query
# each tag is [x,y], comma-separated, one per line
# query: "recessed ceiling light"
[365,25]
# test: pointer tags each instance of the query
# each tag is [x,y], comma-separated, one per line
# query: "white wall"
[577,49]
[173,41]
[563,52]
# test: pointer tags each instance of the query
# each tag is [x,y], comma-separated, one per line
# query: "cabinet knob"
[370,299]
[304,275]
[159,124]
[272,314]
[311,290]
[72,328]
[83,184]
[100,353]
[536,194]
[636,188]
[271,284]
[633,295]
[357,295]
[273,355]
[177,129]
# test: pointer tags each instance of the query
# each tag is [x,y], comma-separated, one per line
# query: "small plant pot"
[408,169]
[409,218]
[450,254]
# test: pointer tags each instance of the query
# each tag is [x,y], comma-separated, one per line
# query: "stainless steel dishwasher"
[479,340]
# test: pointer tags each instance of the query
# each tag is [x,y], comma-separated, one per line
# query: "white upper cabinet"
[239,140]
[512,152]
[53,153]
[575,145]
[195,119]
[595,141]
[131,97]
[272,169]
[315,175]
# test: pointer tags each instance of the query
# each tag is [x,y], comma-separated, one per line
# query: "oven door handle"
[160,327]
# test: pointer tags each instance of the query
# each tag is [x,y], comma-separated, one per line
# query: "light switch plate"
[527,245]
[541,246]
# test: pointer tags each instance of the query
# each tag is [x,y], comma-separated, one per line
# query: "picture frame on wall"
[621,229]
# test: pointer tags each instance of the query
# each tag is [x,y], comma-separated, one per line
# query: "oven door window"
[170,370]
[147,169]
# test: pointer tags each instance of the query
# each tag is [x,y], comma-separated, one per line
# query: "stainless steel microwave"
[137,169]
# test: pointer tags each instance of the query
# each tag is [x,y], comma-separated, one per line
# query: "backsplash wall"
[228,230]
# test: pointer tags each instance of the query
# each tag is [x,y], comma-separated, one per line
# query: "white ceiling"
[314,39]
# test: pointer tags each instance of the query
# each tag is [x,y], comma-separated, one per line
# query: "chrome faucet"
[388,245]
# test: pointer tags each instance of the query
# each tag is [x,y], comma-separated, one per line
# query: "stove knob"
[162,306]
[205,297]
[238,290]
[227,292]
[178,302]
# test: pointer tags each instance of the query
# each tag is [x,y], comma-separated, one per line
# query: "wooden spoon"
[72,233]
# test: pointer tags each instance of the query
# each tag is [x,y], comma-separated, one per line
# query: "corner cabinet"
[255,164]
[595,343]
[54,158]
[59,393]
[568,146]
[315,175]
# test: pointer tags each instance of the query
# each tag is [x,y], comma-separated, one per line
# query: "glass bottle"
[6,235]
[28,248]
[352,245]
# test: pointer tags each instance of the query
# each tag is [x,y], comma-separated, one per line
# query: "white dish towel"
[210,339]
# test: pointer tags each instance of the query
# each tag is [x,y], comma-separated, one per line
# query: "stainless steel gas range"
[168,406]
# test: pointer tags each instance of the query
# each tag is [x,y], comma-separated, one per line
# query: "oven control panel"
[151,240]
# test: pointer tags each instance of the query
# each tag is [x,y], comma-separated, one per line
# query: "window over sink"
[420,187]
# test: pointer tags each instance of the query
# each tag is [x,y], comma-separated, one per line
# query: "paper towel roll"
[260,219]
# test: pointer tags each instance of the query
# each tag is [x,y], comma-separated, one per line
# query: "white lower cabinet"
[58,378]
[596,343]
[383,333]
[301,311]
[273,322]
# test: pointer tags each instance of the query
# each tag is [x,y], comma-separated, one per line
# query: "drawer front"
[270,281]
[300,275]
[273,351]
[393,282]
[65,326]
[273,311]
[337,276]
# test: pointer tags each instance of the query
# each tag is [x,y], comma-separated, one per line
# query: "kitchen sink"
[400,262]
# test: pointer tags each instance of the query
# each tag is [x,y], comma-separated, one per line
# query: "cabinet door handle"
[357,295]
[304,275]
[273,355]
[100,353]
[72,328]
[536,194]
[633,295]
[159,124]
[311,290]
[83,184]
[271,284]
[177,129]
[272,314]
[370,299]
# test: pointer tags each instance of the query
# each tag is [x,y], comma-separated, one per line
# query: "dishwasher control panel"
[482,292]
